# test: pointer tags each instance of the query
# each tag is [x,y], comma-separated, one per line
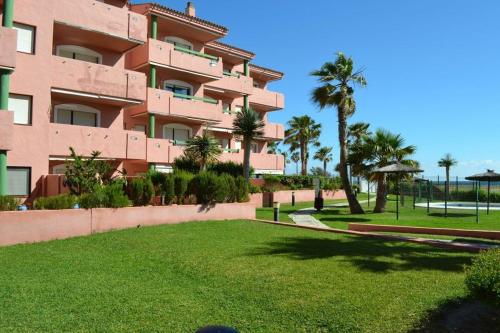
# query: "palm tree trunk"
[447,187]
[246,158]
[303,158]
[324,168]
[354,205]
[296,168]
[381,197]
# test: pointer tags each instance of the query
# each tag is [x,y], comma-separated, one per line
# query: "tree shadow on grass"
[457,215]
[374,255]
[461,315]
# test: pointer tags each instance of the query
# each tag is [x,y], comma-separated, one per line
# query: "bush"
[157,179]
[226,191]
[168,189]
[62,201]
[141,191]
[206,187]
[8,203]
[254,188]
[231,168]
[181,183]
[186,164]
[483,276]
[272,183]
[241,186]
[107,196]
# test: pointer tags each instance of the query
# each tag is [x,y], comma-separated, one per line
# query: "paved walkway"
[304,216]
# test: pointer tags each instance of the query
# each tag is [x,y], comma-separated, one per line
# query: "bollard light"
[293,198]
[276,208]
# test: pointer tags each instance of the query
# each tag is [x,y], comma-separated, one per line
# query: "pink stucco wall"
[6,129]
[8,40]
[37,226]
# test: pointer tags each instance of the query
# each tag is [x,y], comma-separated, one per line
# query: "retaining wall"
[43,225]
[267,199]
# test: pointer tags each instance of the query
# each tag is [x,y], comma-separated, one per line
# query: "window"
[254,148]
[21,106]
[176,41]
[19,181]
[25,38]
[226,107]
[79,53]
[59,169]
[237,144]
[224,143]
[237,109]
[177,132]
[76,114]
[178,87]
[139,128]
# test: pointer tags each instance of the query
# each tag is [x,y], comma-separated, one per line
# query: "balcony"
[113,27]
[163,151]
[113,144]
[193,108]
[187,64]
[232,85]
[274,131]
[8,40]
[266,100]
[113,85]
[257,160]
[6,129]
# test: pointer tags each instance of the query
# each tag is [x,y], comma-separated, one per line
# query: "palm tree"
[355,135]
[286,160]
[203,148]
[302,131]
[337,79]
[324,154]
[379,150]
[295,157]
[249,125]
[272,147]
[447,161]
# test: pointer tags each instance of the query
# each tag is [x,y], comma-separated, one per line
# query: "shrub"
[8,203]
[231,168]
[241,186]
[226,189]
[181,183]
[141,191]
[186,164]
[483,276]
[254,188]
[157,179]
[62,201]
[168,189]
[272,183]
[108,196]
[206,187]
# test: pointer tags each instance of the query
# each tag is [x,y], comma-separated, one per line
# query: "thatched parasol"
[487,176]
[397,168]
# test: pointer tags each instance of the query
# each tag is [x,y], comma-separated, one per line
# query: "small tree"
[204,149]
[324,154]
[83,175]
[295,159]
[249,125]
[302,131]
[447,161]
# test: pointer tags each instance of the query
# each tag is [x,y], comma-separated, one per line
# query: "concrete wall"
[44,225]
[427,231]
[267,199]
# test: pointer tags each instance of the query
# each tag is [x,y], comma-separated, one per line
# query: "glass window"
[76,117]
[237,144]
[19,180]
[224,143]
[139,128]
[21,106]
[25,38]
[176,89]
[176,132]
[179,43]
[79,53]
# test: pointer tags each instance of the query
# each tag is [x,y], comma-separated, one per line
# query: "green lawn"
[255,277]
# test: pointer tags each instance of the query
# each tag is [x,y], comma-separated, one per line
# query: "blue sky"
[433,67]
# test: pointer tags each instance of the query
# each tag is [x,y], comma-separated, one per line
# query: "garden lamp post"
[487,176]
[397,169]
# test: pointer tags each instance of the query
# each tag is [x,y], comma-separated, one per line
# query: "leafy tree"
[248,125]
[272,147]
[319,172]
[203,149]
[337,80]
[324,154]
[447,161]
[83,174]
[355,135]
[302,131]
[295,157]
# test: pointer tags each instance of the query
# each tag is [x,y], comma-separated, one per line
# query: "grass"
[255,277]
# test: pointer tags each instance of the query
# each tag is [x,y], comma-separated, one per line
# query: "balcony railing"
[266,99]
[196,53]
[196,98]
[228,73]
[8,42]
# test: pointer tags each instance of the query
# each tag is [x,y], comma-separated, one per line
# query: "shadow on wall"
[460,315]
[366,254]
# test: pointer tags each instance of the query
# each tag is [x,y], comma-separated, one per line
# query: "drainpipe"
[7,21]
[152,82]
[246,71]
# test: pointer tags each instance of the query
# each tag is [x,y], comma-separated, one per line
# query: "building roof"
[265,73]
[233,50]
[182,17]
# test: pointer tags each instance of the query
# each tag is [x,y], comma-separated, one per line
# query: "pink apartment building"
[131,81]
